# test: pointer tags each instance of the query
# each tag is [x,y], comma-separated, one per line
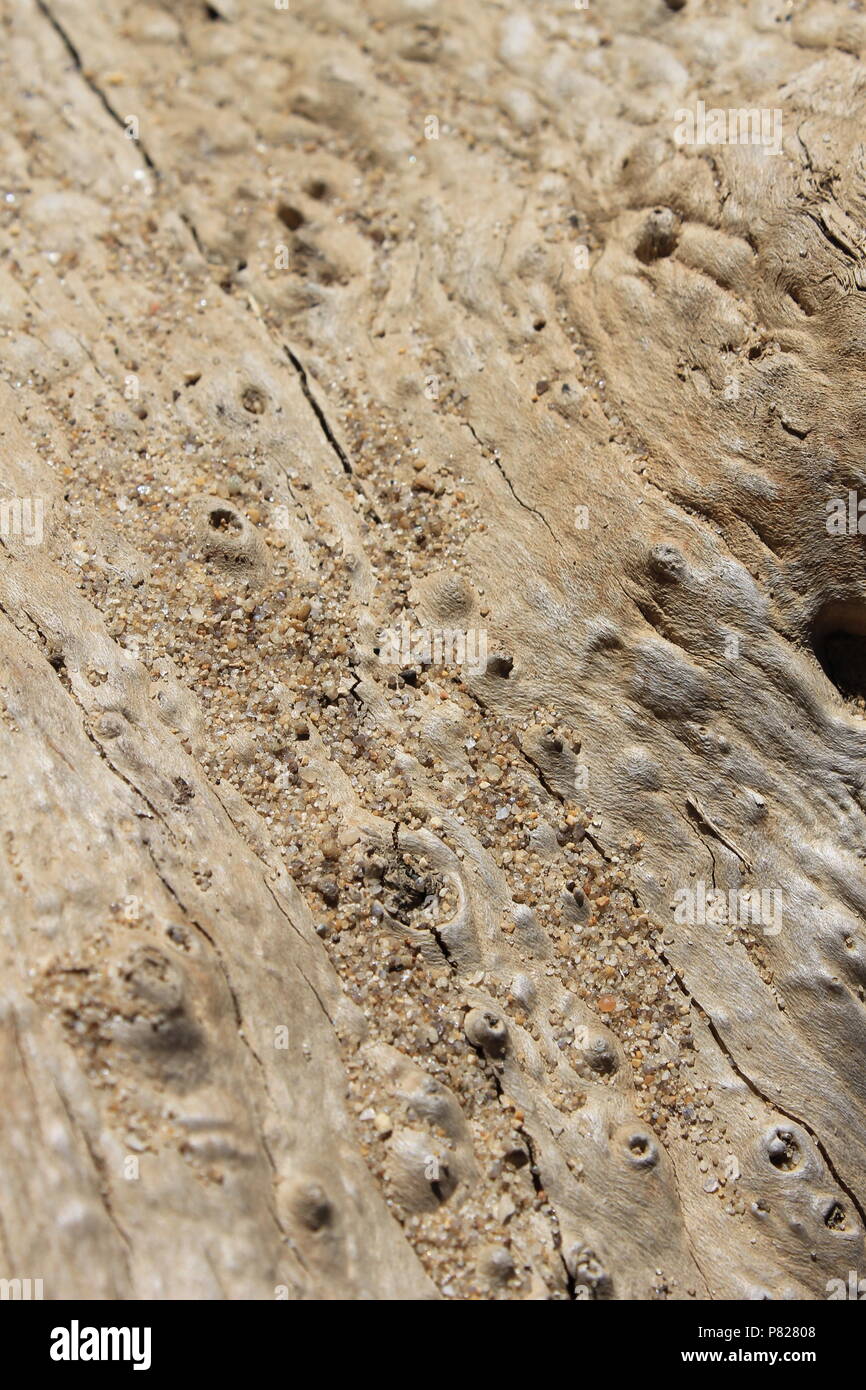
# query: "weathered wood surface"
[296,995]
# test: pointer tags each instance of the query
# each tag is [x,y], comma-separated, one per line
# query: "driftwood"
[432,659]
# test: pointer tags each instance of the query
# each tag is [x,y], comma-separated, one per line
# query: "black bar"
[280,1337]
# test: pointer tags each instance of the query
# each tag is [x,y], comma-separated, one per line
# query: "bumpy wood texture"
[329,976]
